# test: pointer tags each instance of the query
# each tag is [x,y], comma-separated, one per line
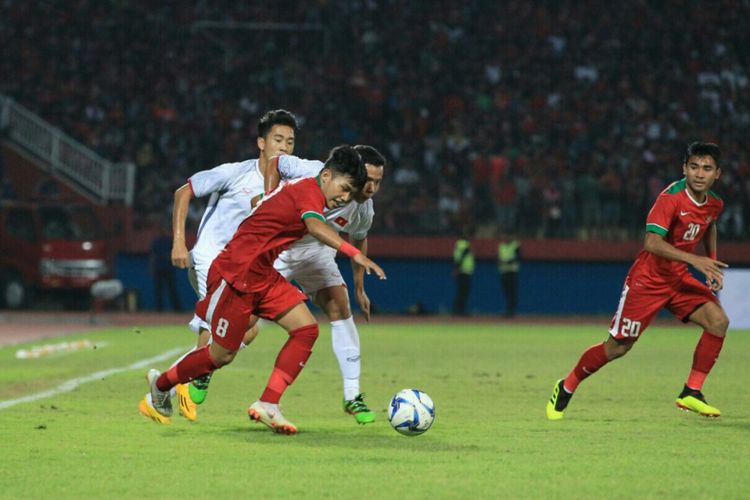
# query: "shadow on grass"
[349,439]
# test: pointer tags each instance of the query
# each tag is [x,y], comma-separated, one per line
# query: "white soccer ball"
[411,412]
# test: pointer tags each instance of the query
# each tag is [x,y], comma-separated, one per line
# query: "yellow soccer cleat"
[558,401]
[692,400]
[147,409]
[188,409]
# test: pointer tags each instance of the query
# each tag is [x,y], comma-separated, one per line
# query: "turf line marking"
[71,384]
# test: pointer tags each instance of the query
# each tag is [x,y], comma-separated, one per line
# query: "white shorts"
[313,267]
[197,275]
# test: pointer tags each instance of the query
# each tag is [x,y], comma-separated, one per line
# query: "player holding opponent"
[313,266]
[231,187]
[242,283]
[683,214]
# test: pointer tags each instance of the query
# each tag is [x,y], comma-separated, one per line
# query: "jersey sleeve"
[310,202]
[292,167]
[364,221]
[217,179]
[661,214]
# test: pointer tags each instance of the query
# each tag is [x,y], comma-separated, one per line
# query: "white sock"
[346,348]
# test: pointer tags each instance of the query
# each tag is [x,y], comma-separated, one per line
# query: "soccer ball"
[411,412]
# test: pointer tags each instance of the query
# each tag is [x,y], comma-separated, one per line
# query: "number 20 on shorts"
[630,328]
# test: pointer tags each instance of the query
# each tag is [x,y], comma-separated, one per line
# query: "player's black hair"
[344,160]
[702,149]
[370,155]
[276,117]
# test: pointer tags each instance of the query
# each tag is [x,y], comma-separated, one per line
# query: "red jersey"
[246,262]
[682,222]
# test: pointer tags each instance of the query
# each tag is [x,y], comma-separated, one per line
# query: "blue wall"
[545,287]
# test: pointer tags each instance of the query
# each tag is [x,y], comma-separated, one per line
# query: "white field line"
[71,384]
[45,350]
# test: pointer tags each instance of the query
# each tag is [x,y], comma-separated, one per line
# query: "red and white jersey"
[247,261]
[232,186]
[353,218]
[683,222]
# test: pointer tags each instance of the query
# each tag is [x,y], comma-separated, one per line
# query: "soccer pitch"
[622,436]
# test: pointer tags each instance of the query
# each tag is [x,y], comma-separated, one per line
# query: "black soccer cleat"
[558,401]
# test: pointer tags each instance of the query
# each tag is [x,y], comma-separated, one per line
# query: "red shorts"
[639,303]
[228,311]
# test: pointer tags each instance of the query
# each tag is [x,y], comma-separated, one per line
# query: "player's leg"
[636,309]
[334,300]
[197,390]
[697,304]
[286,305]
[190,395]
[229,314]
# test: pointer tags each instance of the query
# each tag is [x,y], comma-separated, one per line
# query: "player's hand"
[255,200]
[712,270]
[364,303]
[180,255]
[370,266]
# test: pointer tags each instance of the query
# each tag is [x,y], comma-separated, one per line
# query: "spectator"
[442,88]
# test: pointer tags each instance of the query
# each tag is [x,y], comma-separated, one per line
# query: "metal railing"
[103,180]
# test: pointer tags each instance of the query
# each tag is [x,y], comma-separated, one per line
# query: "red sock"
[591,360]
[704,357]
[290,361]
[194,365]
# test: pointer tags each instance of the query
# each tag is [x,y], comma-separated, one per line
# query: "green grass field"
[622,436]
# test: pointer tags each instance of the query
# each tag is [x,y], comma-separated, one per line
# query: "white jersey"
[232,186]
[353,218]
[311,263]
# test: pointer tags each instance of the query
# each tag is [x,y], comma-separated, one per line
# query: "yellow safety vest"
[463,257]
[507,257]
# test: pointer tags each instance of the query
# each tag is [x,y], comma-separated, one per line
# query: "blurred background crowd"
[547,119]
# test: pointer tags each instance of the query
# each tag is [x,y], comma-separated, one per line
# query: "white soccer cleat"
[270,414]
[146,407]
[160,400]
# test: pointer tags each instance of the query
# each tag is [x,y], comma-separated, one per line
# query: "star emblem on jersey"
[340,221]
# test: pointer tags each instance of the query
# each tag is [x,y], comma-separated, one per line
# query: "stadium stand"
[502,116]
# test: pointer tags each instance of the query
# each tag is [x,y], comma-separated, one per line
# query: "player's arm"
[323,232]
[182,198]
[273,177]
[710,245]
[710,241]
[358,272]
[710,268]
[271,180]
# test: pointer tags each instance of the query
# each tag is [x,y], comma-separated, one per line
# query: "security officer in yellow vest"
[463,269]
[509,265]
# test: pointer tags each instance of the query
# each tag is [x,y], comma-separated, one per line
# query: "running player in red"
[242,283]
[682,215]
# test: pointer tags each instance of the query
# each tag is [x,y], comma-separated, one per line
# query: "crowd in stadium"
[496,116]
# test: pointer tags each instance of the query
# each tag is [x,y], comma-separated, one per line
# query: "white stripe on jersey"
[615,329]
[213,301]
